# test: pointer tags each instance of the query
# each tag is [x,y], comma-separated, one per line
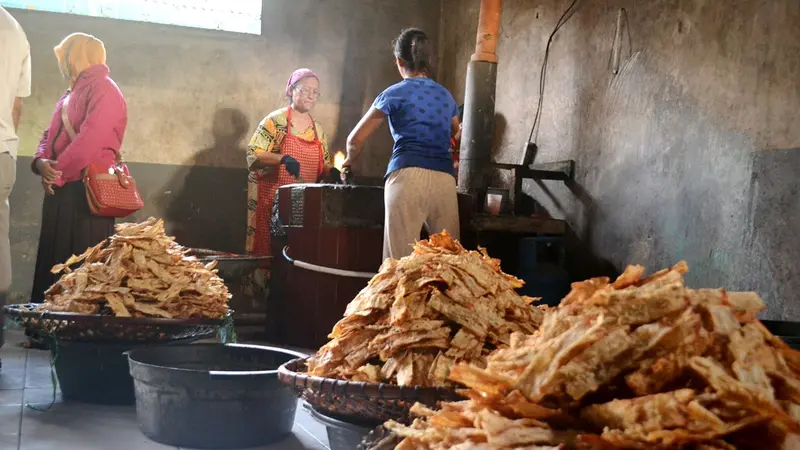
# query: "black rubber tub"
[341,435]
[213,396]
[94,372]
[788,331]
[230,266]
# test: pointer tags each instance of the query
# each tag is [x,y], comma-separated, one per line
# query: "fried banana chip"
[422,315]
[640,363]
[139,271]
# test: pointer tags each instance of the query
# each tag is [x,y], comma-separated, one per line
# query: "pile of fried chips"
[422,314]
[138,272]
[640,363]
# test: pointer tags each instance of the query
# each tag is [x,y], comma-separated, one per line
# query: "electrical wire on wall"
[568,13]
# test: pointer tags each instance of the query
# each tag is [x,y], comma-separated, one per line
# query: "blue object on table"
[544,277]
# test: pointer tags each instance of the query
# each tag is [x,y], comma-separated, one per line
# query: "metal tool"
[348,175]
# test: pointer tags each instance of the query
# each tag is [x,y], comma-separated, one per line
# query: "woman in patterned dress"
[287,147]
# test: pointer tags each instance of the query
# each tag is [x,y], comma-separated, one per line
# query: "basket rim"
[16,310]
[180,340]
[288,374]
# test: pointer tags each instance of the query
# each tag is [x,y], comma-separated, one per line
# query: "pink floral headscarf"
[298,75]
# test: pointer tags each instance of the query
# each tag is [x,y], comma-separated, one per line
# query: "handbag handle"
[71,130]
[65,120]
[124,179]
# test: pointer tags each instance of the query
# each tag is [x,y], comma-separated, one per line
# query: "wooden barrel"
[334,226]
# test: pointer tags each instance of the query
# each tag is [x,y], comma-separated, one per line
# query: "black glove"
[292,166]
[335,176]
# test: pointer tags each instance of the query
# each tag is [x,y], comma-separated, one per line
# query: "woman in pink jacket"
[97,112]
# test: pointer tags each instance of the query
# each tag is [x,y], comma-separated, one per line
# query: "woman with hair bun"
[420,189]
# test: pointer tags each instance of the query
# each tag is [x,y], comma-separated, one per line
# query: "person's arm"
[42,152]
[261,152]
[455,131]
[327,161]
[39,156]
[41,164]
[16,112]
[23,87]
[44,167]
[106,109]
[267,159]
[366,126]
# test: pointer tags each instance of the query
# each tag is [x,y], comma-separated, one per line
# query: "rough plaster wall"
[195,96]
[457,43]
[672,159]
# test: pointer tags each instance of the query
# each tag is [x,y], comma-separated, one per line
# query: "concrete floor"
[25,380]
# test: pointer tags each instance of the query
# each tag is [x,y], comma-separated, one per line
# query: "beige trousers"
[414,197]
[8,175]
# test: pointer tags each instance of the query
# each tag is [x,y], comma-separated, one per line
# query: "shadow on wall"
[497,177]
[205,202]
[582,262]
[500,125]
[229,128]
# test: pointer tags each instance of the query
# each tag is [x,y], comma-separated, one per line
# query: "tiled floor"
[25,380]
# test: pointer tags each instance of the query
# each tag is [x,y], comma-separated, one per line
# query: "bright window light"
[240,16]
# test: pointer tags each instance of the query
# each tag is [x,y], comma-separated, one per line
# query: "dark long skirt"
[68,228]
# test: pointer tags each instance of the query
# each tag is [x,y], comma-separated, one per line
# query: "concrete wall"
[196,96]
[689,152]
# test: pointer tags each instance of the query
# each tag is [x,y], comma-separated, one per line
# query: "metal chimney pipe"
[479,102]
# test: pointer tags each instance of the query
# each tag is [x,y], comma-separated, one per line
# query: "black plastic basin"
[213,396]
[341,435]
[97,372]
[788,331]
